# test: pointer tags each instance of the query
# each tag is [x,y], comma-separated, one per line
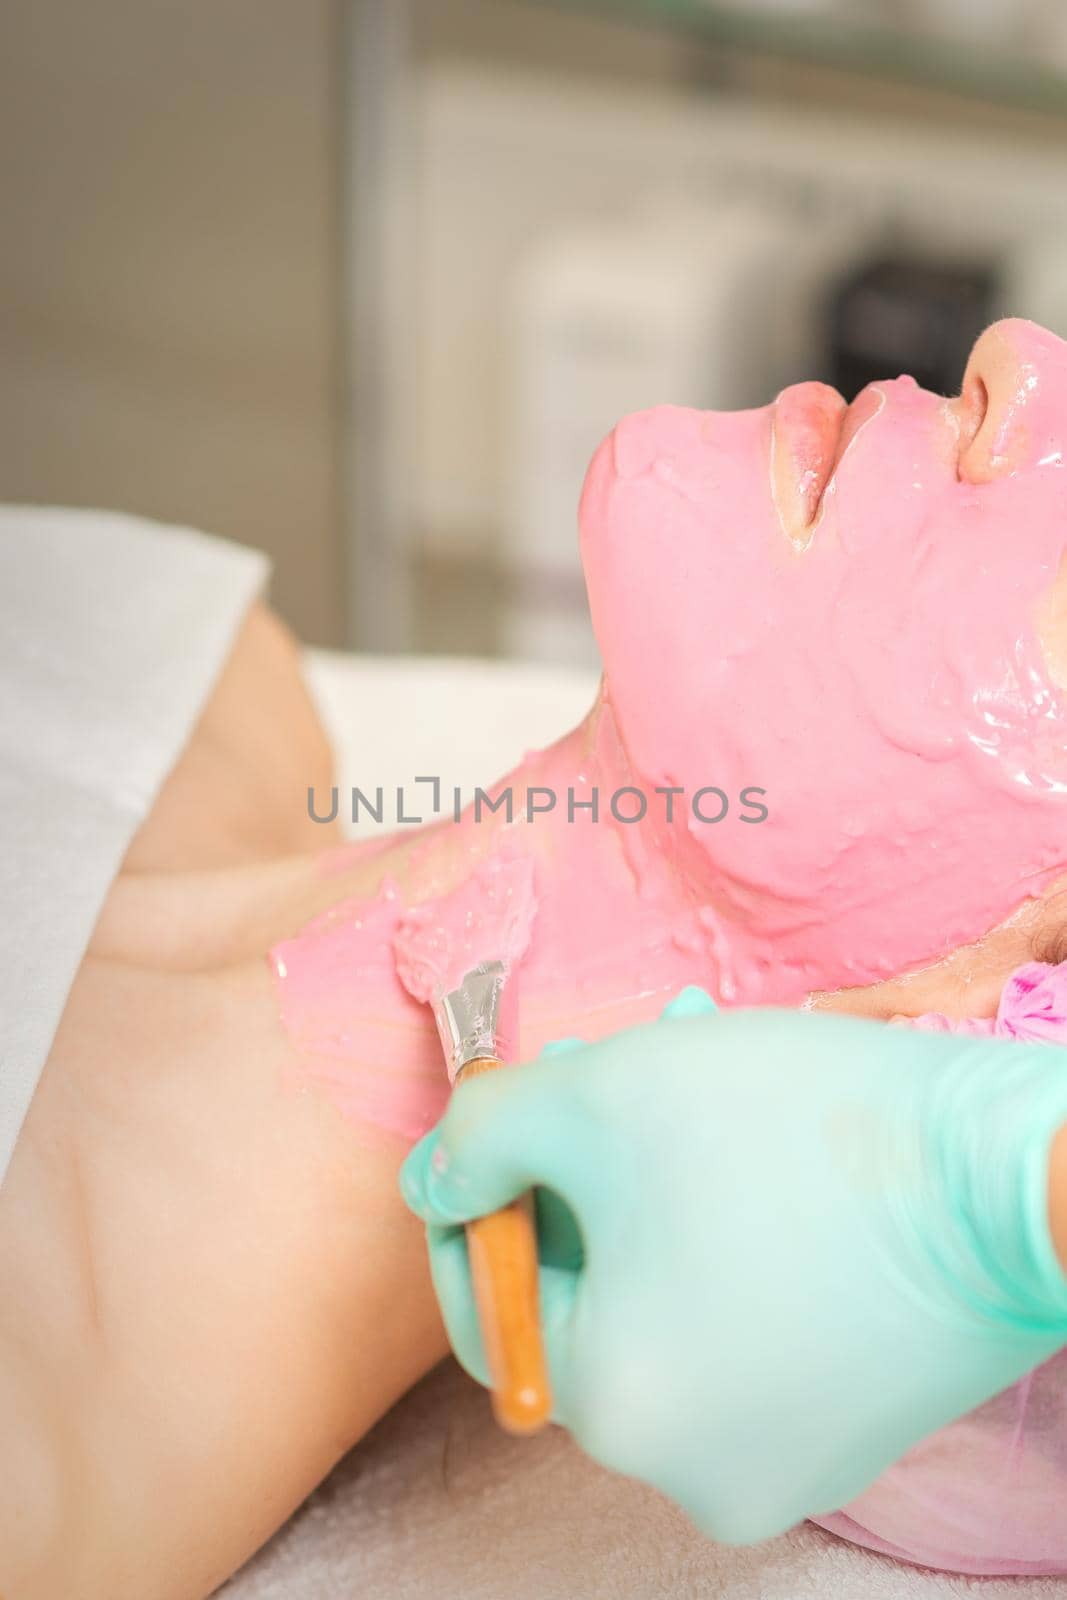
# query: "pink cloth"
[988,1494]
[1032,1009]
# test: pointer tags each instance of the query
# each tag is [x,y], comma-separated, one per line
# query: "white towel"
[438,1504]
[112,631]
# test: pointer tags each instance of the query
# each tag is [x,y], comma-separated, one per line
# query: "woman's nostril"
[970,410]
[1003,395]
[977,408]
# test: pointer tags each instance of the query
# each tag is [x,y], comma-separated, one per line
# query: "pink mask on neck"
[883,682]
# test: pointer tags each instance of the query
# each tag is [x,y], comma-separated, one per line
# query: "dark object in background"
[894,315]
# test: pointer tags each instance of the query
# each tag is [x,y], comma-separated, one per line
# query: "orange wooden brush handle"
[503,1257]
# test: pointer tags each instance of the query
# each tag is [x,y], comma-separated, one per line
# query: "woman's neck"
[615,930]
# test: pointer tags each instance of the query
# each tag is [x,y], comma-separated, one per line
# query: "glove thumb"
[503,1133]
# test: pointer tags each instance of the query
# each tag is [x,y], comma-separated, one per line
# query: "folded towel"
[437,1504]
[112,633]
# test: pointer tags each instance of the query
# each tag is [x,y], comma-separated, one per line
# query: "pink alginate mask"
[881,676]
[985,1495]
[878,673]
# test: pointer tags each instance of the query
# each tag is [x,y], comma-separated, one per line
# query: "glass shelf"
[896,53]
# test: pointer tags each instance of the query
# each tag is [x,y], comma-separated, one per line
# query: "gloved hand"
[777,1248]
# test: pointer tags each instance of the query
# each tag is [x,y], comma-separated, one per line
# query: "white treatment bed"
[436,1503]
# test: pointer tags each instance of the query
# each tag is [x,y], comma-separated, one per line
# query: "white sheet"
[438,1504]
[112,631]
[393,719]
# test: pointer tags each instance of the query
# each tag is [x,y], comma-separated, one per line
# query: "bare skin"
[212,1287]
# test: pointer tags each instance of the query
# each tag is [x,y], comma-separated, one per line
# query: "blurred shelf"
[872,49]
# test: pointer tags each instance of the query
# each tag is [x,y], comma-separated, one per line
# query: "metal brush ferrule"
[477,1019]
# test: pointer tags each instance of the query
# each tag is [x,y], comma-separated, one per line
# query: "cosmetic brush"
[461,956]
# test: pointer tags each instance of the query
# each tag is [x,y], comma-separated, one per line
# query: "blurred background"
[363,282]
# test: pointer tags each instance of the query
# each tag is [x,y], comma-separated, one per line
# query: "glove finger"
[415,1169]
[451,1274]
[559,1239]
[453,1285]
[690,1002]
[506,1132]
[560,1047]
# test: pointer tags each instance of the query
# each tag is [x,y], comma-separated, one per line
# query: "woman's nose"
[1012,409]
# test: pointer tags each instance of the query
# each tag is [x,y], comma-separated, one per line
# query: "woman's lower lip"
[807,427]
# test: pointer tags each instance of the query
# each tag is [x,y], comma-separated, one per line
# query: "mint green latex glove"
[777,1248]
